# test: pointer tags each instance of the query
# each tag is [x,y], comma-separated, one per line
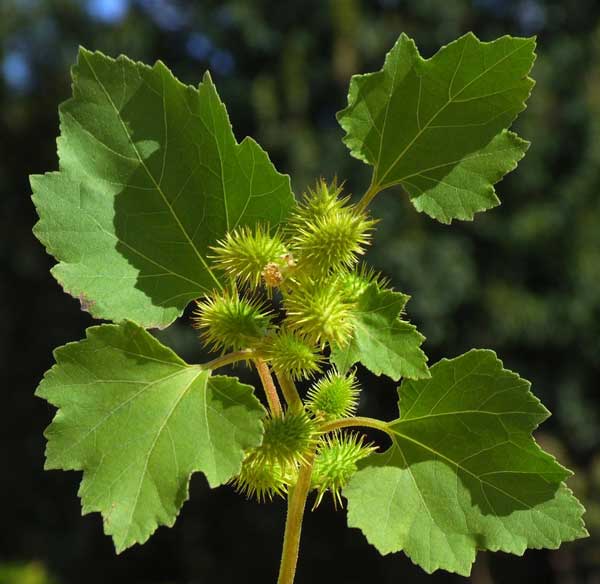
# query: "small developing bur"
[355,282]
[323,200]
[319,311]
[228,321]
[288,443]
[288,440]
[261,479]
[326,232]
[290,354]
[334,396]
[245,255]
[335,462]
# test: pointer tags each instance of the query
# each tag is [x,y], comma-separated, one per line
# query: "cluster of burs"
[291,297]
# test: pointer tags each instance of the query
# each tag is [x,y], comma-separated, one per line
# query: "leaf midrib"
[380,180]
[456,464]
[132,398]
[159,432]
[150,175]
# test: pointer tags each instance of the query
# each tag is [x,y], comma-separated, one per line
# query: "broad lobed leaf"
[463,472]
[438,127]
[381,341]
[138,421]
[150,176]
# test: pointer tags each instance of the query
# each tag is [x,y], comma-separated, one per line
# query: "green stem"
[228,359]
[366,199]
[356,421]
[293,524]
[290,393]
[269,386]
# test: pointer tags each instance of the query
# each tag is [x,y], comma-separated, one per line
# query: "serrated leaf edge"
[92,331]
[354,144]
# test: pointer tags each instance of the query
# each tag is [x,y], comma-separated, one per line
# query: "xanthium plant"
[156,205]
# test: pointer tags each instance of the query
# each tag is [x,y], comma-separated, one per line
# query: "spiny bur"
[355,282]
[317,203]
[320,311]
[334,396]
[289,353]
[262,479]
[335,463]
[326,232]
[229,321]
[288,440]
[245,253]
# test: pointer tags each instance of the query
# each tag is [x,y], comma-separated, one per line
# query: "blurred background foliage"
[523,279]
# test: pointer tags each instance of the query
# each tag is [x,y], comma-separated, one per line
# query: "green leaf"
[463,472]
[437,126]
[138,421]
[150,176]
[381,341]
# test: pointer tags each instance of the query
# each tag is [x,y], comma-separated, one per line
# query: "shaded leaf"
[150,176]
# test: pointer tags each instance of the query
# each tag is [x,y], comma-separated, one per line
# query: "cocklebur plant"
[156,205]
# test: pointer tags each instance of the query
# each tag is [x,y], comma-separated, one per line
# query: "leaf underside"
[438,127]
[150,176]
[138,421]
[463,472]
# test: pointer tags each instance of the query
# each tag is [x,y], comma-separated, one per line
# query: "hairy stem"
[293,524]
[269,386]
[228,359]
[290,393]
[356,421]
[366,199]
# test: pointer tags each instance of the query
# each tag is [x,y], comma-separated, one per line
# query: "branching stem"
[293,524]
[356,421]
[290,392]
[366,199]
[299,494]
[269,386]
[228,359]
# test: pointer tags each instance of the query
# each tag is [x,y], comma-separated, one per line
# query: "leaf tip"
[207,78]
[83,51]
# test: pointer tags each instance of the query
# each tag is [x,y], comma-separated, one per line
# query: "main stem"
[290,392]
[299,494]
[293,524]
